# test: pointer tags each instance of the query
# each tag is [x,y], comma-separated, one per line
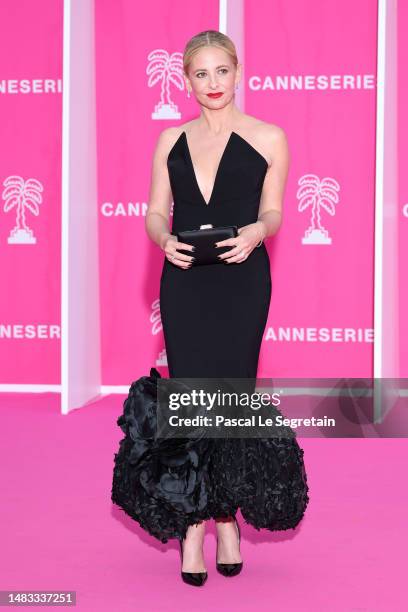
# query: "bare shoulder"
[277,142]
[268,138]
[167,138]
[270,134]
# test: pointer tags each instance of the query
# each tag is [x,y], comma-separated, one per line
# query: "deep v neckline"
[193,172]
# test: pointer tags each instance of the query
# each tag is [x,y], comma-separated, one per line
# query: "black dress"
[213,319]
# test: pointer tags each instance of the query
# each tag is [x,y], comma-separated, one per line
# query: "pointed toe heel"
[192,578]
[230,569]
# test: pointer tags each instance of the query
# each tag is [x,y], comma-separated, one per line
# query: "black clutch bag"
[203,240]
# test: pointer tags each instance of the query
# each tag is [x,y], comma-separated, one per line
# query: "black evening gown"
[213,318]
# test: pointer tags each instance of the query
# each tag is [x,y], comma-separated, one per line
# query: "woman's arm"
[160,197]
[271,204]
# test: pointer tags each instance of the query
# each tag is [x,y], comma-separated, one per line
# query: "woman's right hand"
[171,247]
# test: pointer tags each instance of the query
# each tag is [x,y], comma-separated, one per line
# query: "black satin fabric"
[213,318]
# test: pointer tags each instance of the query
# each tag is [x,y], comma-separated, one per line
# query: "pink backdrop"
[309,67]
[403,182]
[30,161]
[323,292]
[132,336]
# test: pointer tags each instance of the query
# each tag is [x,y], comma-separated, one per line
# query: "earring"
[188,93]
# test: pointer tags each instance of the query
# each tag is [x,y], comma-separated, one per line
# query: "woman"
[223,168]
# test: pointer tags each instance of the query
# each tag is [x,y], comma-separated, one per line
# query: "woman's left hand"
[243,244]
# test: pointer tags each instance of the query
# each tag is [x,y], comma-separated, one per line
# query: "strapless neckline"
[232,135]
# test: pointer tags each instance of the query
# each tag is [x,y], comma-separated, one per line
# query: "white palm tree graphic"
[22,195]
[317,194]
[167,69]
[155,317]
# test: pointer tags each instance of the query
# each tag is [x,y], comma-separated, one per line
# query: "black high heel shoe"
[193,578]
[230,569]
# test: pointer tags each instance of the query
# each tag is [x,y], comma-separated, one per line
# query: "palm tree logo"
[155,319]
[167,69]
[317,194]
[162,358]
[22,195]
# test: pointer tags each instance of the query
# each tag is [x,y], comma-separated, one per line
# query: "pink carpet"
[60,529]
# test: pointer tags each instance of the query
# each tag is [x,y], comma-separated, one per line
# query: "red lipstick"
[215,95]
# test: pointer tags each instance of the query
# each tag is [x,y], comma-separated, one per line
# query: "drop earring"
[188,93]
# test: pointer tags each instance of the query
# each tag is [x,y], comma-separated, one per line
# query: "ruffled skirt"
[168,484]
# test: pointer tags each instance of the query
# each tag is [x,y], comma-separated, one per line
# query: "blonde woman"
[222,168]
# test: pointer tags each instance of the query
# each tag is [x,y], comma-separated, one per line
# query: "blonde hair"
[208,38]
